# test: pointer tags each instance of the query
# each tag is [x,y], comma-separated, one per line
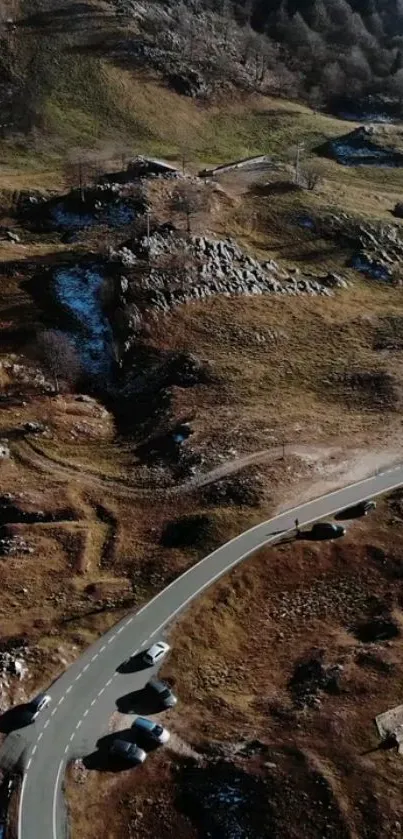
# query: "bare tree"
[311,179]
[59,356]
[189,198]
[81,169]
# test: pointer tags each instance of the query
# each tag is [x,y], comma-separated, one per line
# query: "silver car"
[156,653]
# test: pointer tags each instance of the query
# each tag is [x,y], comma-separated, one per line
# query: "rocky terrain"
[180,356]
[200,269]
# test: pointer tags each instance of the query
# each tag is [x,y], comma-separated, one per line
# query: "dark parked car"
[150,732]
[357,510]
[162,693]
[128,751]
[326,530]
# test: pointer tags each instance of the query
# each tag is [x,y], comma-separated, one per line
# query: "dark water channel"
[79,292]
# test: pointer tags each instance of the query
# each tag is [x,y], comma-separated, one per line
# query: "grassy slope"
[78,100]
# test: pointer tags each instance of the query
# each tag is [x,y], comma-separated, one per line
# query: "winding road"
[84,697]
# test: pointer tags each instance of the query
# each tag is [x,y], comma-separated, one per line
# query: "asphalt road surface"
[84,697]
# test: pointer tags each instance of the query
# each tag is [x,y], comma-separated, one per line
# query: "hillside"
[184,351]
[125,76]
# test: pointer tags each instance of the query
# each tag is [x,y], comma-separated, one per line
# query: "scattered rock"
[358,147]
[83,397]
[13,545]
[312,675]
[13,237]
[4,451]
[188,84]
[377,247]
[206,267]
[244,490]
[35,427]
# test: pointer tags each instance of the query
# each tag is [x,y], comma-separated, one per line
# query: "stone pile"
[13,545]
[378,248]
[204,268]
[12,664]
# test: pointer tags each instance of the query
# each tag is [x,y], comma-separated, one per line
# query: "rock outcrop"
[182,270]
[359,147]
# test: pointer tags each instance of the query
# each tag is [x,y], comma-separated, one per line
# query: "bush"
[187,531]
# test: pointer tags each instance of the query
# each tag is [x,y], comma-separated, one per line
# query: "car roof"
[122,745]
[142,722]
[38,699]
[158,685]
[157,647]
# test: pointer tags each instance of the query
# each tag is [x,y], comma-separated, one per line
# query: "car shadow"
[308,536]
[132,665]
[346,515]
[138,702]
[17,717]
[304,535]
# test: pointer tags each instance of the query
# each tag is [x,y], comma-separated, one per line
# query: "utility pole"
[300,148]
[81,180]
[148,213]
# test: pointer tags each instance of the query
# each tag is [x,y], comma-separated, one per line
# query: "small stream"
[78,290]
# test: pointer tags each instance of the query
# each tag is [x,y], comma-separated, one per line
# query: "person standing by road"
[297,526]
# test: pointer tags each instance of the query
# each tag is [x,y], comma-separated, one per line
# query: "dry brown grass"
[261,393]
[234,653]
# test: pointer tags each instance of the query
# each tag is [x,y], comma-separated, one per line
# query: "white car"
[39,704]
[149,730]
[156,653]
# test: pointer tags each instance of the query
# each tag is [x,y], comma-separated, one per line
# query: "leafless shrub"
[189,198]
[59,356]
[311,179]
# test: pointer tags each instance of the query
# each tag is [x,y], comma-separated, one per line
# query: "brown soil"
[278,696]
[290,396]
